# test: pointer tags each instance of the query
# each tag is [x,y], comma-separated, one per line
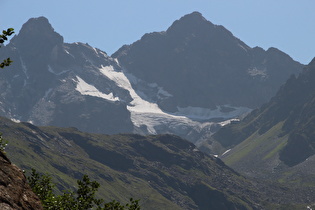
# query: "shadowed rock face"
[15,193]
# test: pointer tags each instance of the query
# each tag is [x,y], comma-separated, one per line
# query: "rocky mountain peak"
[37,35]
[192,22]
[194,16]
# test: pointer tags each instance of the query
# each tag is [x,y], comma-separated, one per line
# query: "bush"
[82,199]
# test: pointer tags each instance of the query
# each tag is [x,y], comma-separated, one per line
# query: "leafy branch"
[3,144]
[4,37]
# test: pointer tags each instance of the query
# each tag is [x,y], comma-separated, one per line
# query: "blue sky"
[288,25]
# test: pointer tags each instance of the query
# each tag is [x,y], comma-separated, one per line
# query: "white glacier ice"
[87,89]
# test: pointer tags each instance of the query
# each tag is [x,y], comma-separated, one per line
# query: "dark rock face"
[15,193]
[204,65]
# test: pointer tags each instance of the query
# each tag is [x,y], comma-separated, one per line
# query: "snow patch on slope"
[226,122]
[138,104]
[15,120]
[87,89]
[224,153]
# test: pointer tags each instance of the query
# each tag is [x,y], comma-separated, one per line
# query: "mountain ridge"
[61,84]
[206,54]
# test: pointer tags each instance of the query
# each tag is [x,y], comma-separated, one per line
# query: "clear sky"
[288,25]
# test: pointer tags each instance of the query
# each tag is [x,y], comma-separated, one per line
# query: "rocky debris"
[15,193]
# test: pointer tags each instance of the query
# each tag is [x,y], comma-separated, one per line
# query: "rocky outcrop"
[15,193]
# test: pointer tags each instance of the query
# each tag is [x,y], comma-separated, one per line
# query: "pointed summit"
[188,23]
[37,34]
[196,16]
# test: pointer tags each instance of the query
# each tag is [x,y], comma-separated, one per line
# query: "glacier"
[150,119]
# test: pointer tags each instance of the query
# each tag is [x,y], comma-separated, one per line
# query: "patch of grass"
[256,145]
[276,149]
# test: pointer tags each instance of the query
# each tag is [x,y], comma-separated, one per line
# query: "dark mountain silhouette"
[204,65]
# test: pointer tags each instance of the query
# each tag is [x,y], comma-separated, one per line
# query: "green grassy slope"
[165,171]
[258,154]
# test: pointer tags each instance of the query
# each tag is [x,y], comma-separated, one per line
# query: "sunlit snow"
[69,53]
[138,104]
[226,152]
[226,122]
[87,89]
[15,120]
